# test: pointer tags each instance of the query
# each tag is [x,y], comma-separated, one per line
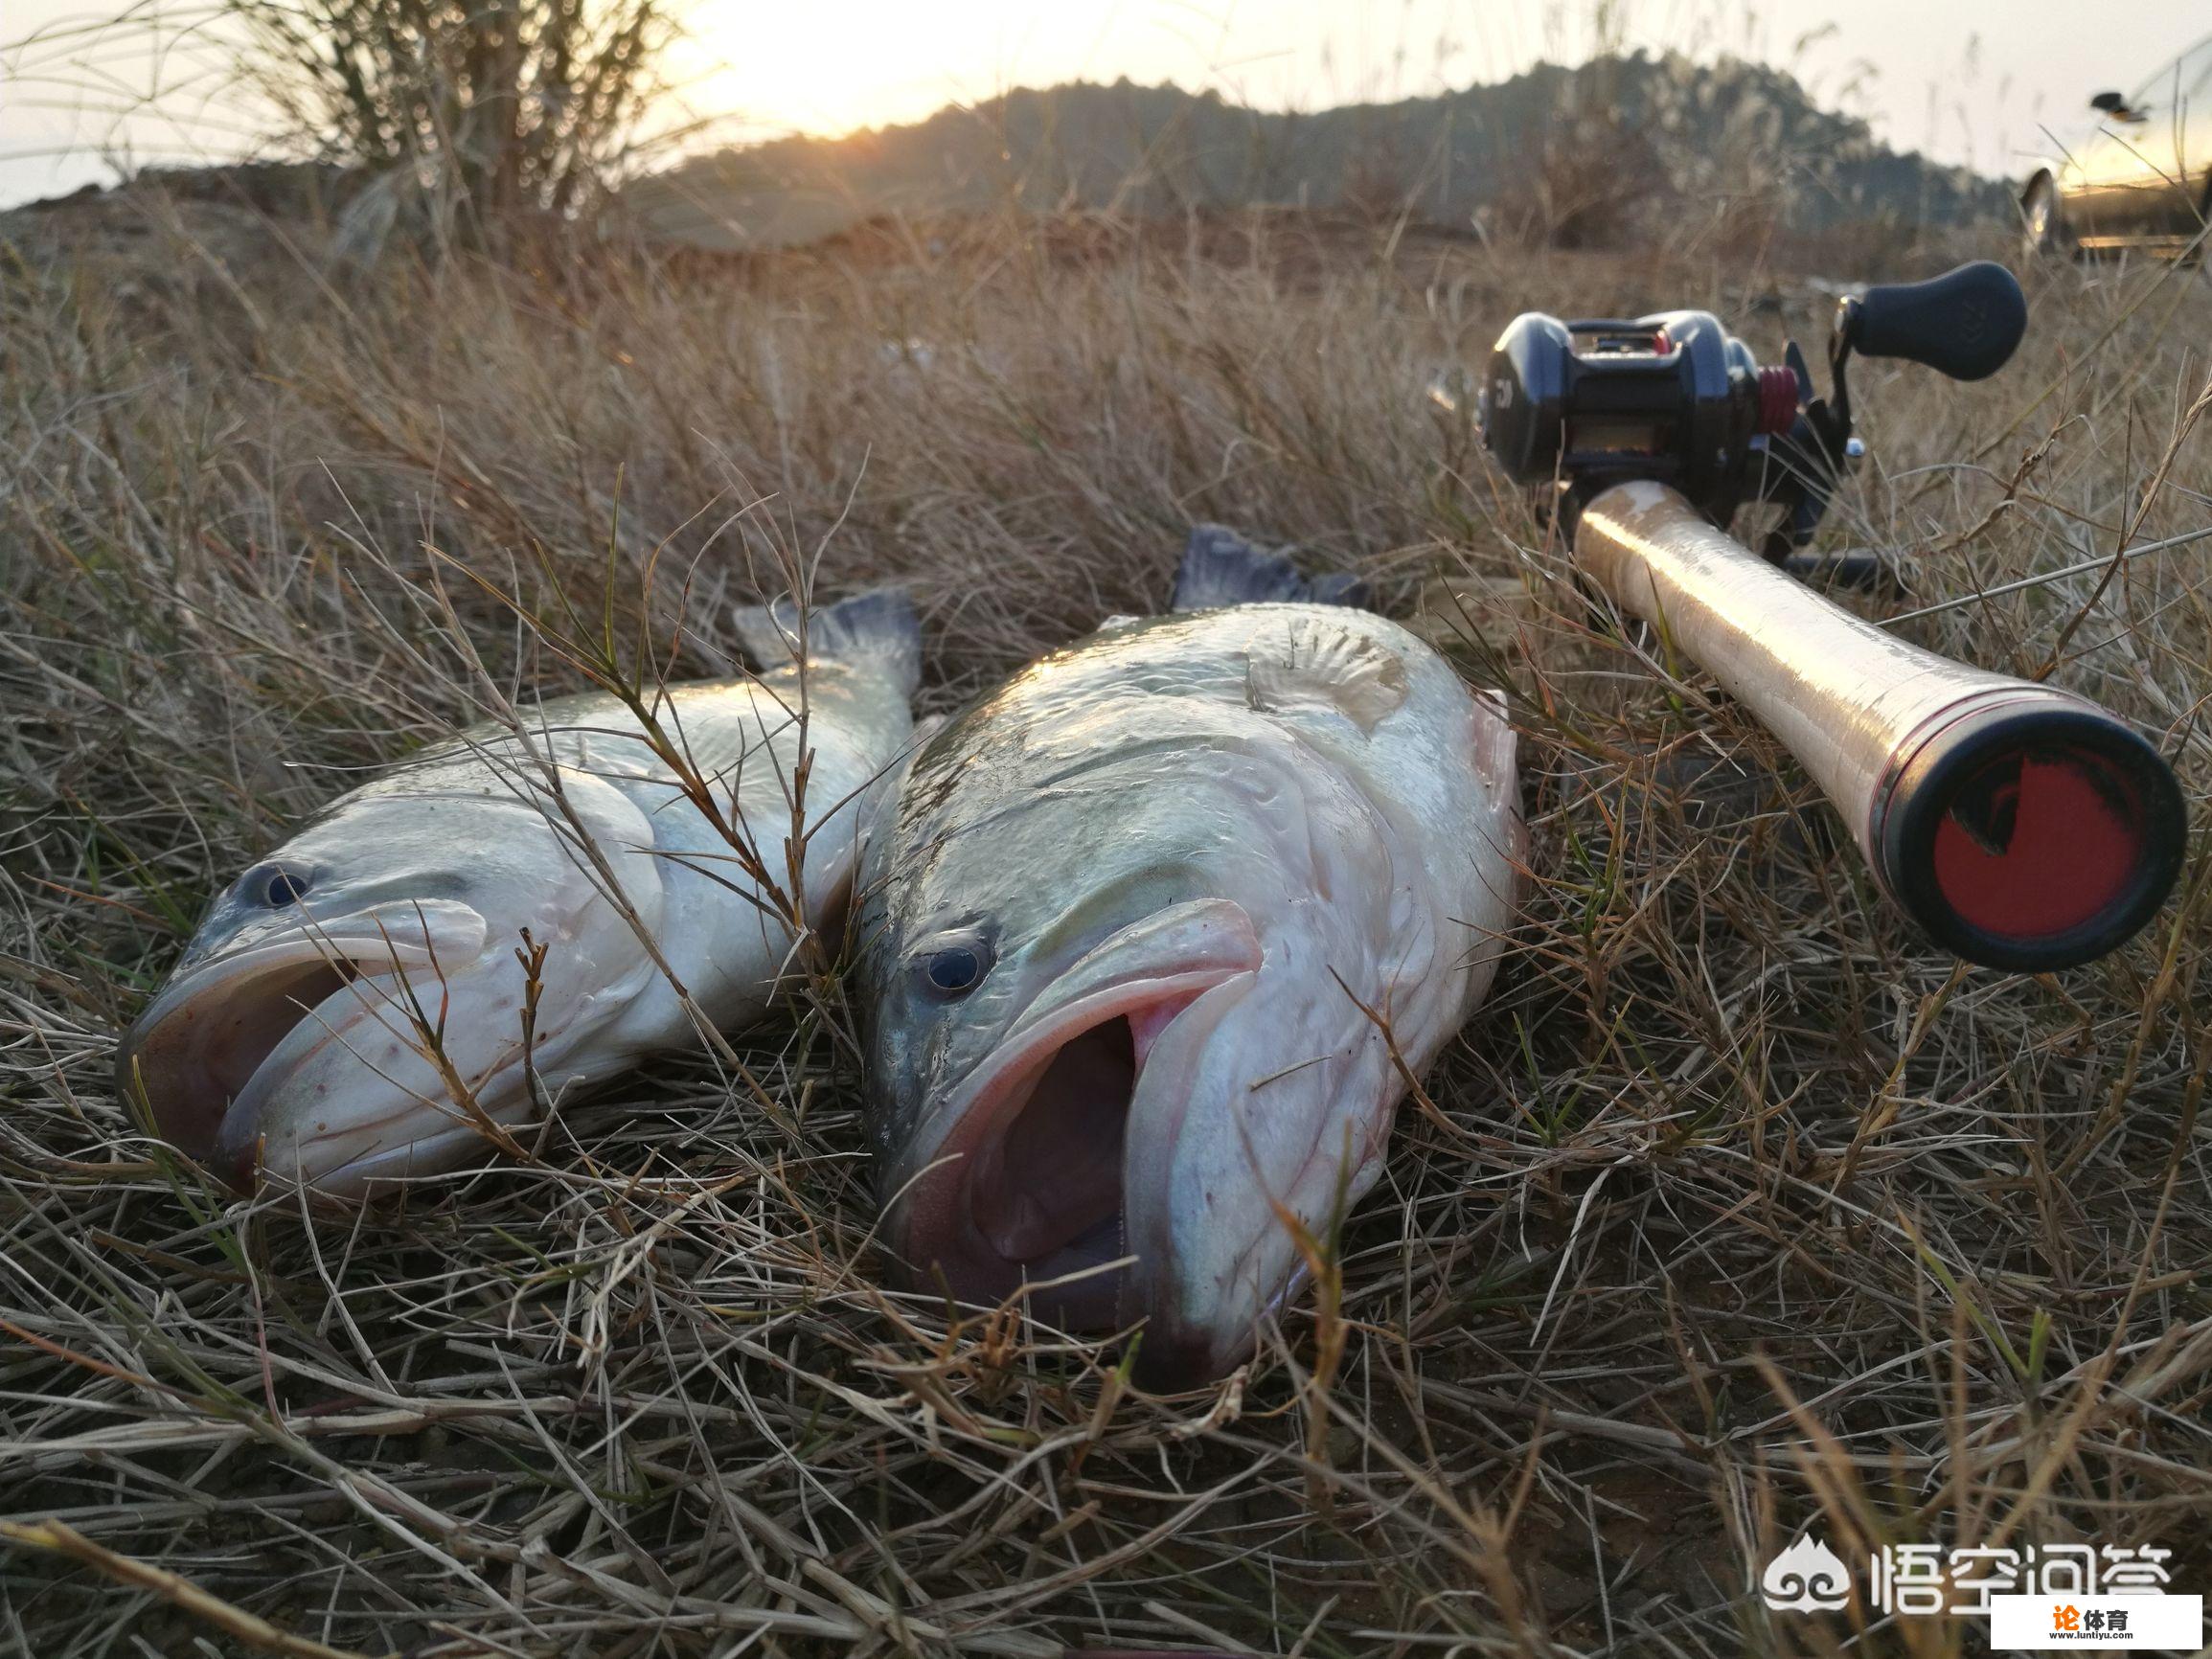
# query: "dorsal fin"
[1318,664]
[875,628]
[1220,568]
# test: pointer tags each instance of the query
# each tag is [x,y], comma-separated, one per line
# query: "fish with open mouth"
[1137,934]
[355,1006]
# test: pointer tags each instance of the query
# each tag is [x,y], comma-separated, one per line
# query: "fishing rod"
[2021,825]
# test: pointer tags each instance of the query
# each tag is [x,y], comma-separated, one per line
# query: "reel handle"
[1965,323]
[2021,825]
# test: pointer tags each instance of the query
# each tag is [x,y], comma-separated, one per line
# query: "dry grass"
[1738,1211]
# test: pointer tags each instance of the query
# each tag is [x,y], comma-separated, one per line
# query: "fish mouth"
[1027,1184]
[212,1041]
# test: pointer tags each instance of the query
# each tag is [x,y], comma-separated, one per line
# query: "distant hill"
[1606,151]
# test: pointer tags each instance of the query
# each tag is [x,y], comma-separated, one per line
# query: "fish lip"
[929,1210]
[447,936]
[241,1153]
[1176,1356]
[332,1164]
[449,932]
[334,948]
[362,1179]
[236,1152]
[1179,1348]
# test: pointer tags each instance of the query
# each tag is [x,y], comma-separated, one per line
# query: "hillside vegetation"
[1611,152]
[1738,1211]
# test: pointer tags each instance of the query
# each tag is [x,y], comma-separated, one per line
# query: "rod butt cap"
[2033,832]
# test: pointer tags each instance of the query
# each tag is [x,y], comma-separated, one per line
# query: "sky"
[1972,81]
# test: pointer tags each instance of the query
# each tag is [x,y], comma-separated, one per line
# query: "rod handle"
[2021,825]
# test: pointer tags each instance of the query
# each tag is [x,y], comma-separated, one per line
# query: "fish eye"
[956,967]
[276,887]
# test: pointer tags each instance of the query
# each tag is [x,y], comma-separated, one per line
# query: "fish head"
[358,999]
[1110,1060]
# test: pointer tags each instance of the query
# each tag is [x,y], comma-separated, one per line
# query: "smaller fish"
[354,1008]
[1128,932]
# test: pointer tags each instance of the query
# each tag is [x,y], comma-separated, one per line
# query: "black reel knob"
[1965,323]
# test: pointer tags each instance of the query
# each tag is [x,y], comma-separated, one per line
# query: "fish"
[1150,941]
[443,955]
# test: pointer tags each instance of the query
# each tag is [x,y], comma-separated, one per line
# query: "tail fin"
[878,628]
[1220,568]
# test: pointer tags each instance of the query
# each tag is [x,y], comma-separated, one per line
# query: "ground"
[1738,1211]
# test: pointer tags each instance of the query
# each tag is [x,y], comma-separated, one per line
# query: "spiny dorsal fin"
[1220,568]
[875,628]
[1317,666]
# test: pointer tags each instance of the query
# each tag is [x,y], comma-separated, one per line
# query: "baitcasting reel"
[2019,824]
[1676,398]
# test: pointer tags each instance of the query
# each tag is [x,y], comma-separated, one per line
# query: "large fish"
[354,1007]
[1129,931]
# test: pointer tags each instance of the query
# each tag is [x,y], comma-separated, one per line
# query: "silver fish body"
[1131,930]
[354,1008]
